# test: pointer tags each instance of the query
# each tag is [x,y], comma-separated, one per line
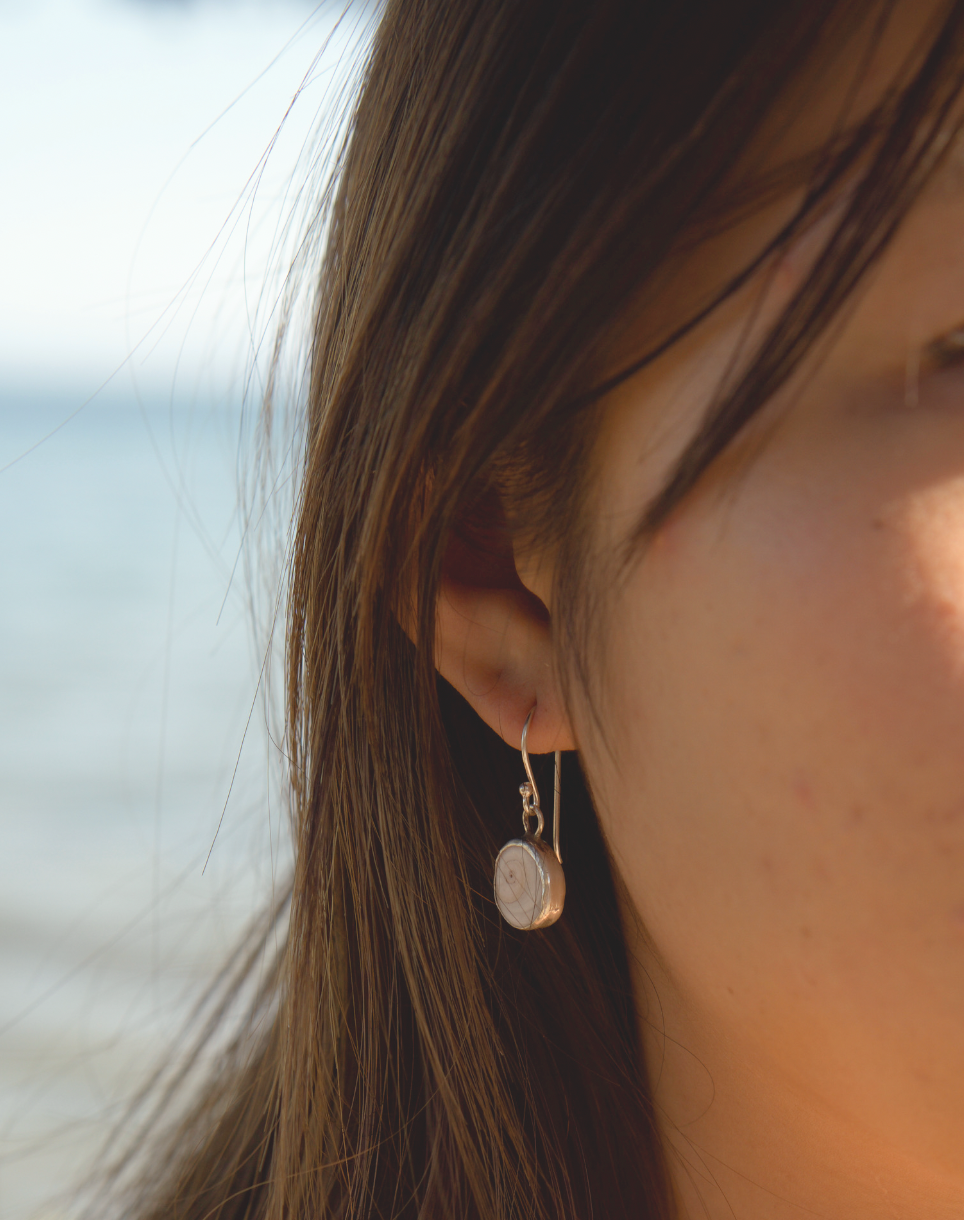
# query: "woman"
[635,416]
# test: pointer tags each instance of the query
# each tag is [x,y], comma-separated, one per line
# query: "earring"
[530,886]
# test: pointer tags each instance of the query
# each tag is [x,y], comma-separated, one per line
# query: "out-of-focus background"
[144,234]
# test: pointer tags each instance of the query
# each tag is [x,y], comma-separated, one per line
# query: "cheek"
[784,784]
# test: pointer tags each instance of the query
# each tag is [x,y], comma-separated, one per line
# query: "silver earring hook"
[531,807]
[556,802]
[525,758]
[529,790]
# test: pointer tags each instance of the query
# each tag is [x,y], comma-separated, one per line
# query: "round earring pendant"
[530,886]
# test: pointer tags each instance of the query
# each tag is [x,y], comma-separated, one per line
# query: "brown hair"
[515,176]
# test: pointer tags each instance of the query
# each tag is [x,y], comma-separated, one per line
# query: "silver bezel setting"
[546,902]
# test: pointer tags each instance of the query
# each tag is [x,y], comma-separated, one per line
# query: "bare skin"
[782,775]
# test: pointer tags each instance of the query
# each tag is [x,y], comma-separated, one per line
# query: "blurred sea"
[128,672]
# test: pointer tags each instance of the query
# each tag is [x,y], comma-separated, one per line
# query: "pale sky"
[119,176]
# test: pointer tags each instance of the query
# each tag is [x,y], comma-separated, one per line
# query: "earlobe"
[493,644]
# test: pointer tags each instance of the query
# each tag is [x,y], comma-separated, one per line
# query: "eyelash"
[945,351]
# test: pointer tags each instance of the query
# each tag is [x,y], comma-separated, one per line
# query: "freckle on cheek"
[667,540]
[803,789]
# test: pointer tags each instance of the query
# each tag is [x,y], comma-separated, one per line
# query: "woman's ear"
[493,639]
